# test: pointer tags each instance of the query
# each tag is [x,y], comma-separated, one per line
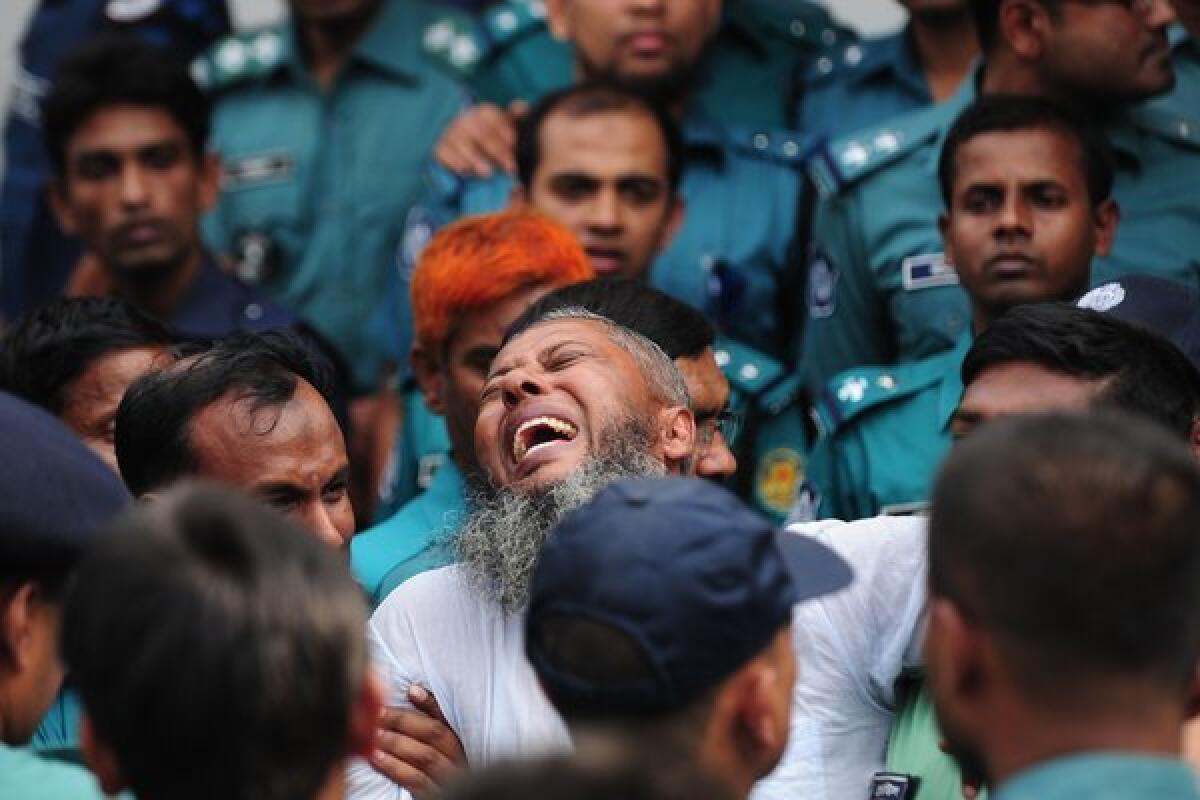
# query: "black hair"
[678,329]
[1071,538]
[1143,373]
[597,775]
[47,349]
[218,648]
[112,70]
[153,426]
[588,99]
[1008,113]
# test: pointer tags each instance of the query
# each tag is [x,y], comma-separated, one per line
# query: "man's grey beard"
[499,543]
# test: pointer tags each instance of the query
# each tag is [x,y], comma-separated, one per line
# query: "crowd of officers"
[830,256]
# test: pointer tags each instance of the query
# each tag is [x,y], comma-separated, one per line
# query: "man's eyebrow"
[343,474]
[968,416]
[280,489]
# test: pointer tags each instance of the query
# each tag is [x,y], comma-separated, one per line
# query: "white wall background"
[868,16]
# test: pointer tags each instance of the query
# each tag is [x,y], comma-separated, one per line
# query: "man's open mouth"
[538,433]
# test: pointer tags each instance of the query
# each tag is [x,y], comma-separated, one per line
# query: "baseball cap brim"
[815,569]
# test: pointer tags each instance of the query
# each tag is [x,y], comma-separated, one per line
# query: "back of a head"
[47,349]
[153,421]
[1142,373]
[680,330]
[591,98]
[1071,539]
[480,260]
[115,70]
[218,649]
[588,777]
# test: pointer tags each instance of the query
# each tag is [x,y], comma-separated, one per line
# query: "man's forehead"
[1042,151]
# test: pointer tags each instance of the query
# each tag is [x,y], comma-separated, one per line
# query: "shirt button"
[253,312]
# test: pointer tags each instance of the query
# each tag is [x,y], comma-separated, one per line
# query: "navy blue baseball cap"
[694,581]
[1170,309]
[55,494]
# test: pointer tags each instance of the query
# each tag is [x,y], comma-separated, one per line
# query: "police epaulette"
[804,23]
[783,146]
[455,42]
[1163,122]
[749,372]
[855,391]
[840,163]
[835,64]
[238,58]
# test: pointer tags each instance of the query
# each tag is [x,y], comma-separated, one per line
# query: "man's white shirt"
[436,631]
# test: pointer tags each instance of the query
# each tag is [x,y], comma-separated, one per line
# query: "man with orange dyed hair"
[471,282]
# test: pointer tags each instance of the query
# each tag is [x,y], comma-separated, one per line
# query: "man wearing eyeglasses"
[880,288]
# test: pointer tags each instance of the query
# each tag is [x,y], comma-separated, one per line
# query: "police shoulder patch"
[238,58]
[821,289]
[456,43]
[839,164]
[856,391]
[779,475]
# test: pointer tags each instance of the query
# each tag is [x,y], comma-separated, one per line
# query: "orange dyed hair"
[478,261]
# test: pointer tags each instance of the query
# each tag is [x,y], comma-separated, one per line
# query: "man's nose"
[520,387]
[133,186]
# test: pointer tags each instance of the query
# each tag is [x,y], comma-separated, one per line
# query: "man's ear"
[99,757]
[210,180]
[427,368]
[16,625]
[675,219]
[365,715]
[1025,26]
[56,196]
[556,20]
[958,662]
[677,438]
[943,223]
[760,715]
[1105,219]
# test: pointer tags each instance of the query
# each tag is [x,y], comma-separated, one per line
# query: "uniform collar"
[892,56]
[736,25]
[951,390]
[391,44]
[1102,775]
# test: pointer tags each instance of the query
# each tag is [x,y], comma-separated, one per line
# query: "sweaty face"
[604,176]
[1109,52]
[92,399]
[554,394]
[1019,388]
[653,42]
[292,457]
[1021,227]
[709,390]
[134,191]
[467,356]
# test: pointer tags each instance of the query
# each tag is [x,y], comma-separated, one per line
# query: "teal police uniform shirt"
[887,430]
[1103,776]
[421,446]
[24,775]
[508,54]
[860,84]
[733,258]
[316,184]
[879,290]
[413,540]
[772,448]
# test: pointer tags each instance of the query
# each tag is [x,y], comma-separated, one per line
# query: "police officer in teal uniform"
[880,290]
[860,84]
[765,392]
[322,157]
[508,53]
[1027,191]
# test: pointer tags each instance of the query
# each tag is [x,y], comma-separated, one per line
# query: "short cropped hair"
[153,426]
[679,329]
[588,99]
[478,261]
[1072,540]
[1142,372]
[49,348]
[218,649]
[1012,113]
[662,377]
[114,70]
